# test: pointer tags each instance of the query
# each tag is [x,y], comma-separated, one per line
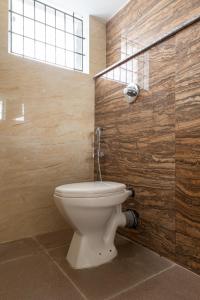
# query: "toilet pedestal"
[89,251]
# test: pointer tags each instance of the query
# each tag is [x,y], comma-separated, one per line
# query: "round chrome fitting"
[131,92]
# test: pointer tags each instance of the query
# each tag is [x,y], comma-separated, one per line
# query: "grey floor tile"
[34,278]
[133,264]
[17,249]
[174,284]
[55,239]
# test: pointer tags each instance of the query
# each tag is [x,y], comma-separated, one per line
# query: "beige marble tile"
[97,45]
[46,135]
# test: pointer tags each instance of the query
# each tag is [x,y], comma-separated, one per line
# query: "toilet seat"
[93,189]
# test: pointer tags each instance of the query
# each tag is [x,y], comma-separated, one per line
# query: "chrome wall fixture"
[131,92]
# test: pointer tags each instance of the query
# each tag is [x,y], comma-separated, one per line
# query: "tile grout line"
[188,270]
[40,249]
[18,258]
[141,245]
[139,283]
[61,270]
[57,247]
[160,255]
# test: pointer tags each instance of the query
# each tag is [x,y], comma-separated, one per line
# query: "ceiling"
[103,9]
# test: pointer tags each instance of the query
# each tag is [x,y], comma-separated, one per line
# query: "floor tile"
[34,278]
[174,284]
[17,249]
[55,239]
[133,264]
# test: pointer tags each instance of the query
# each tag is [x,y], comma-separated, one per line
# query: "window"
[41,32]
[1,110]
[134,70]
[130,69]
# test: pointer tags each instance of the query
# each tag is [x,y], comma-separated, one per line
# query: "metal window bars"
[44,33]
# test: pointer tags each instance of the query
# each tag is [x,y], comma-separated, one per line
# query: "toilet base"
[89,251]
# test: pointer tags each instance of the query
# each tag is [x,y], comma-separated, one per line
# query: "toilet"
[93,209]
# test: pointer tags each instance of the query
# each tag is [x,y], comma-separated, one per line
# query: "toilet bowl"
[93,209]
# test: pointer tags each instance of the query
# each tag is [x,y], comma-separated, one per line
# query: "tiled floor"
[35,268]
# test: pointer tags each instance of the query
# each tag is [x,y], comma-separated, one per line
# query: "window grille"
[44,33]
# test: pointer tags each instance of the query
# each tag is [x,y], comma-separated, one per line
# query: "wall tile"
[46,136]
[144,21]
[139,145]
[153,144]
[188,148]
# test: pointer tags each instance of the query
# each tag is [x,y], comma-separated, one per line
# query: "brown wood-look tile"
[55,239]
[188,148]
[174,284]
[133,264]
[145,21]
[154,144]
[139,145]
[35,277]
[17,249]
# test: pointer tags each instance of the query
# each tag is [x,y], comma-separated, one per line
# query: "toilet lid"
[89,189]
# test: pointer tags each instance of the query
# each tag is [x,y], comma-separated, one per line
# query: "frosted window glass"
[39,12]
[29,28]
[39,31]
[17,6]
[28,47]
[50,35]
[17,44]
[78,45]
[50,54]
[117,74]
[50,17]
[39,51]
[60,20]
[17,24]
[78,61]
[60,57]
[70,59]
[29,8]
[123,75]
[69,24]
[78,27]
[60,38]
[69,42]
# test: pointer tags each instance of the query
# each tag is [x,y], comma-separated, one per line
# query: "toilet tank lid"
[86,189]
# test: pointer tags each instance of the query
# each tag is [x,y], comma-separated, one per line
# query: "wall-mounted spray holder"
[131,92]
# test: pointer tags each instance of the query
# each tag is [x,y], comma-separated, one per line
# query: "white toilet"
[94,211]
